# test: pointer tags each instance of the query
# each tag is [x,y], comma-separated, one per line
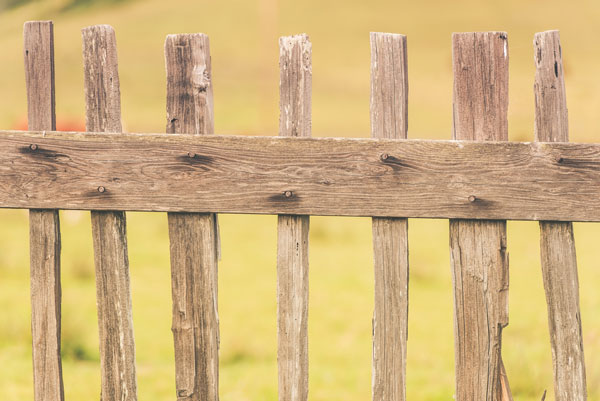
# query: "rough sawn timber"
[478,248]
[389,119]
[292,230]
[557,243]
[325,176]
[193,237]
[113,294]
[44,225]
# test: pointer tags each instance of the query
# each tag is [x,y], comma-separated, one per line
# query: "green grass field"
[244,51]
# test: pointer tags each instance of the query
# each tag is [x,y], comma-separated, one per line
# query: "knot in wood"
[200,78]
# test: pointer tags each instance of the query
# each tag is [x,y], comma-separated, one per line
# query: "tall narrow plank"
[557,245]
[44,225]
[295,64]
[193,237]
[478,248]
[389,119]
[103,114]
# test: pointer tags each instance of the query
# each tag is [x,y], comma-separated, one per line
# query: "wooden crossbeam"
[316,176]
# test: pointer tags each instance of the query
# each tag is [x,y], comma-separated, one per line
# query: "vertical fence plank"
[193,236]
[389,119]
[478,248]
[103,114]
[295,53]
[557,245]
[44,225]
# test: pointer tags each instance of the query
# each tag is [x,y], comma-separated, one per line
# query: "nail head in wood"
[101,189]
[384,156]
[472,198]
[33,147]
[288,194]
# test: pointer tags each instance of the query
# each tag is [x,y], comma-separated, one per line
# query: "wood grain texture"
[193,237]
[295,67]
[557,244]
[38,38]
[551,114]
[115,323]
[44,225]
[325,176]
[478,248]
[561,284]
[295,85]
[292,306]
[389,119]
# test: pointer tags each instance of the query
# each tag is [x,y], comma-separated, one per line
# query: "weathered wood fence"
[193,175]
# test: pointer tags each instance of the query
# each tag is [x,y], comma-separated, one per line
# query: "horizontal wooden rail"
[324,176]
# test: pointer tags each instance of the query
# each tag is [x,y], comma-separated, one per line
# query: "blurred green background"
[244,45]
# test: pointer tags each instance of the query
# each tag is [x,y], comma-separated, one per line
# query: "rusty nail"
[33,146]
[384,156]
[472,198]
[101,189]
[288,194]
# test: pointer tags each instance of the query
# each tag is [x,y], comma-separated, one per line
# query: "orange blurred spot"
[62,124]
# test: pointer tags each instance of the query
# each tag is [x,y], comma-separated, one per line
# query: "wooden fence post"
[389,119]
[44,225]
[295,53]
[557,244]
[478,248]
[103,114]
[193,236]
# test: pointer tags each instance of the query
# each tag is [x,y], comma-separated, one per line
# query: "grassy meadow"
[244,50]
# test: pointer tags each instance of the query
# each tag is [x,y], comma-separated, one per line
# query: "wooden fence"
[478,180]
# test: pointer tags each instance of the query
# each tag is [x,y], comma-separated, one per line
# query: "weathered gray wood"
[44,226]
[103,113]
[389,119]
[322,176]
[193,237]
[557,245]
[292,243]
[38,38]
[551,115]
[292,306]
[295,85]
[478,248]
[390,318]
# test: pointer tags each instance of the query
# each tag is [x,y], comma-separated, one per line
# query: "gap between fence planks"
[478,248]
[322,176]
[292,231]
[389,119]
[103,113]
[193,237]
[44,225]
[557,244]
